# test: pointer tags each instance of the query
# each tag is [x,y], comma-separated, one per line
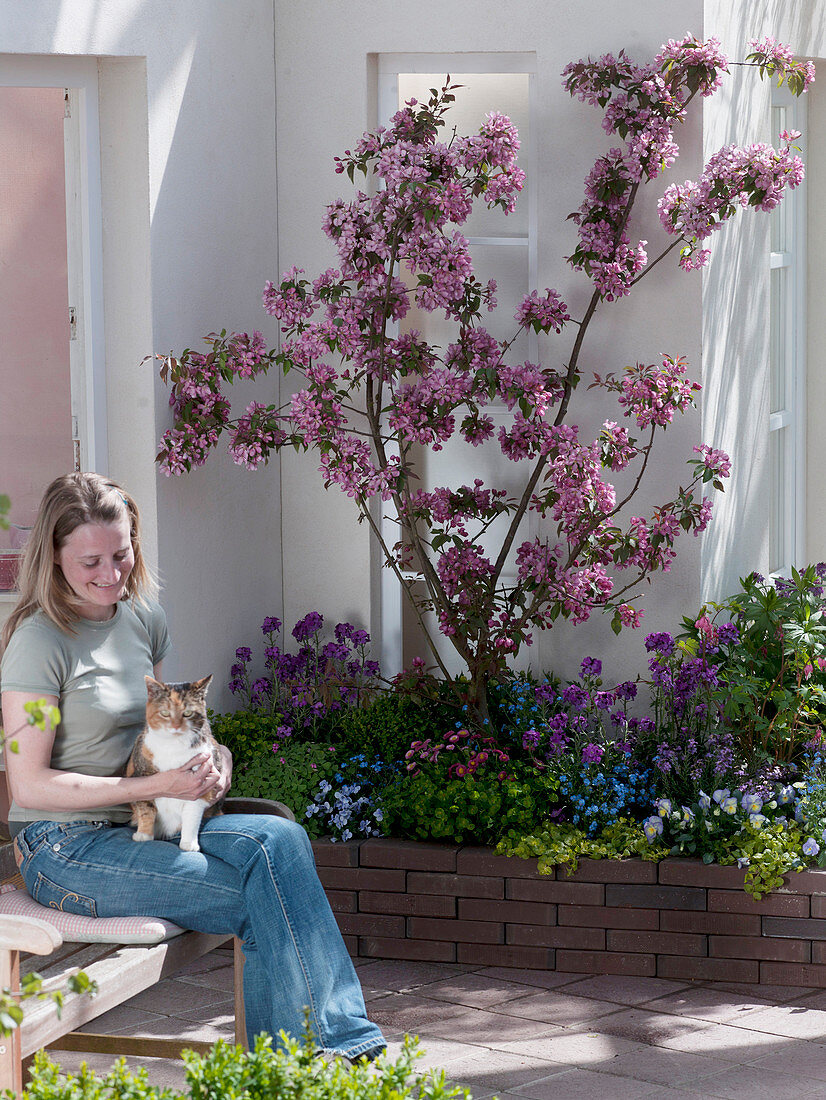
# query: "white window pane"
[779,216]
[777,500]
[779,342]
[480,94]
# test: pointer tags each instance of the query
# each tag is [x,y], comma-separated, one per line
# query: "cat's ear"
[154,688]
[202,685]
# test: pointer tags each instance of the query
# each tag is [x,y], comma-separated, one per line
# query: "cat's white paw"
[142,836]
[189,845]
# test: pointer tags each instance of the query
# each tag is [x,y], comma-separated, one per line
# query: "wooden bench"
[120,971]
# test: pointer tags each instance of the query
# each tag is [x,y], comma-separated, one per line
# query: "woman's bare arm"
[36,785]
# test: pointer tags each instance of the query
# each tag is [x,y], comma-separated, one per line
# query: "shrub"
[386,725]
[469,810]
[289,772]
[260,1074]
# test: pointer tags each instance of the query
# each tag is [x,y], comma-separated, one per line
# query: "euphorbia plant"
[375,392]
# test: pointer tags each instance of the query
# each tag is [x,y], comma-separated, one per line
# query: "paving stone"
[806,1059]
[749,1082]
[657,1065]
[498,1071]
[624,989]
[399,976]
[652,1028]
[795,1021]
[491,1029]
[551,1007]
[171,995]
[589,1049]
[732,1044]
[710,1004]
[584,1084]
[476,990]
[547,979]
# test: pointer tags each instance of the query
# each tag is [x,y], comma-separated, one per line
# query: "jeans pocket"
[48,893]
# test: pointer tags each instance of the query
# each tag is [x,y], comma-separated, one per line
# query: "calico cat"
[176,729]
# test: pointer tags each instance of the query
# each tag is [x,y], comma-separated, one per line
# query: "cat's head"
[176,707]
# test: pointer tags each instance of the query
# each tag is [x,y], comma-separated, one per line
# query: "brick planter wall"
[676,919]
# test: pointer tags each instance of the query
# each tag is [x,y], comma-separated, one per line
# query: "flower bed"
[676,919]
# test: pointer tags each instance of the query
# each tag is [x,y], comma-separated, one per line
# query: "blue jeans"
[254,878]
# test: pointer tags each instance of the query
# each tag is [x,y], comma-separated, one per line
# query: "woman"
[83,635]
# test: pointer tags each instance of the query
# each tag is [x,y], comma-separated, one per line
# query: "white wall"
[737,300]
[189,224]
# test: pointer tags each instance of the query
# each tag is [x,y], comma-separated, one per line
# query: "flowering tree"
[374,391]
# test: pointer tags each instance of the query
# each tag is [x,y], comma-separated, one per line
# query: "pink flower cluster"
[653,394]
[753,176]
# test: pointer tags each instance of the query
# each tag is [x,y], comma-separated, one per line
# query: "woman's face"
[96,560]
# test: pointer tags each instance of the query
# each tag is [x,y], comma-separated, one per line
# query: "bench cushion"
[77,929]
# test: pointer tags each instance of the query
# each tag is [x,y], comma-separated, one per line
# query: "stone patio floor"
[539,1035]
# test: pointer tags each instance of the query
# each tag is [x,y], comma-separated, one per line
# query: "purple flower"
[592,754]
[591,667]
[371,668]
[628,690]
[260,689]
[271,625]
[237,670]
[335,651]
[236,686]
[646,725]
[244,653]
[575,696]
[604,700]
[530,739]
[558,723]
[360,637]
[728,634]
[544,692]
[343,631]
[308,626]
[662,642]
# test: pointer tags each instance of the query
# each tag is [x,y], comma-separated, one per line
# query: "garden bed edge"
[679,918]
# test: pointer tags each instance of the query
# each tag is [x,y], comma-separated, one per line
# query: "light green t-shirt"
[97,673]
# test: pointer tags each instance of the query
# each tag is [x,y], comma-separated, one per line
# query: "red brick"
[517,912]
[606,962]
[601,916]
[812,881]
[660,943]
[361,878]
[818,906]
[775,905]
[783,973]
[466,931]
[708,970]
[759,947]
[571,893]
[343,901]
[655,897]
[485,954]
[693,872]
[352,945]
[410,855]
[819,952]
[797,928]
[371,924]
[585,939]
[613,870]
[482,861]
[411,905]
[723,924]
[328,854]
[465,886]
[376,947]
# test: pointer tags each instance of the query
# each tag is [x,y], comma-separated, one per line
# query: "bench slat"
[121,973]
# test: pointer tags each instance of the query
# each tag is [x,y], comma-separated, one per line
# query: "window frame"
[388,68]
[788,334]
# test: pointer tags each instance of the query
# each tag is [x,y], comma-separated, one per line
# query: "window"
[502,247]
[787,358]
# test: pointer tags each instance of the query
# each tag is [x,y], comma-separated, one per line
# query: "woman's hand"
[197,778]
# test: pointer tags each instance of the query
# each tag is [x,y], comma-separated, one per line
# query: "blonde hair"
[68,503]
